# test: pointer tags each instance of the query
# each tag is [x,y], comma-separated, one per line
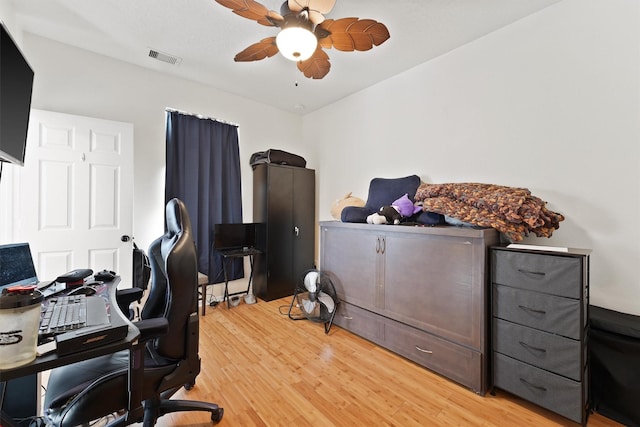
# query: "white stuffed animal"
[386,215]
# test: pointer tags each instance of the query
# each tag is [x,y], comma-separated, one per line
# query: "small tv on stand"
[16,86]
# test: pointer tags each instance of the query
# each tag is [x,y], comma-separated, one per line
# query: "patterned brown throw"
[512,211]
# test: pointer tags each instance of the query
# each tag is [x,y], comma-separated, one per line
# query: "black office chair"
[88,390]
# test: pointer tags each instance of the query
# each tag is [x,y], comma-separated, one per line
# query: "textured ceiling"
[205,36]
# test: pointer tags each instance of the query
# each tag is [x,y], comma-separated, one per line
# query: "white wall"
[76,81]
[550,103]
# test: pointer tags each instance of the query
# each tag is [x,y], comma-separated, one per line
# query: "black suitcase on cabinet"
[278,157]
[614,352]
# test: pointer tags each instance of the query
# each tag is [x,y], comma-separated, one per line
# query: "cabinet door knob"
[296,230]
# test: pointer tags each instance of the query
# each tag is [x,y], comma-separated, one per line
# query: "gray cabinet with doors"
[421,292]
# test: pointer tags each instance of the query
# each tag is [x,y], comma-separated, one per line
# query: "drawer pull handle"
[536,273]
[527,346]
[537,387]
[347,317]
[532,310]
[423,350]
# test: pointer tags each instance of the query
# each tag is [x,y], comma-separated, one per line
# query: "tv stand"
[226,255]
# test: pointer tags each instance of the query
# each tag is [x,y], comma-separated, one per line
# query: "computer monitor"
[16,266]
[16,85]
[234,236]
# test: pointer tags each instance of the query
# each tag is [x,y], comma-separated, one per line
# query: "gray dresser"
[421,292]
[539,327]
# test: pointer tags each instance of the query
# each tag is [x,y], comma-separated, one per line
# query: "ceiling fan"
[305,33]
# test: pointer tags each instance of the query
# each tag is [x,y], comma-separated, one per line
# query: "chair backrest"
[173,291]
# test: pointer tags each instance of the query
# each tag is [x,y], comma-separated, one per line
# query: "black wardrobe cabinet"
[284,200]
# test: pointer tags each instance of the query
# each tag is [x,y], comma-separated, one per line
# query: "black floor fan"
[316,299]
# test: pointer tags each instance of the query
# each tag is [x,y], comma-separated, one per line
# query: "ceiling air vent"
[164,57]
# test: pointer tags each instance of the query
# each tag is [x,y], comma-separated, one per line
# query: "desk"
[230,254]
[53,360]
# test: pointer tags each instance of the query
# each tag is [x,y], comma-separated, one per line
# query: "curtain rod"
[200,116]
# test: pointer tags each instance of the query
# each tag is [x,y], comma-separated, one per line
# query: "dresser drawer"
[359,321]
[549,313]
[554,392]
[556,275]
[547,351]
[456,362]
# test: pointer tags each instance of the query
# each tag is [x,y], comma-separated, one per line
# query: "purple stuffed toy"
[405,206]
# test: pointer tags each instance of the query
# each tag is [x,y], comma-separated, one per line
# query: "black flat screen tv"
[234,236]
[16,86]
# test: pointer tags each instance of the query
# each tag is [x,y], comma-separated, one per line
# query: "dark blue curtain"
[203,170]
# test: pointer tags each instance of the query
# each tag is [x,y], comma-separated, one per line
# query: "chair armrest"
[131,294]
[152,328]
[124,298]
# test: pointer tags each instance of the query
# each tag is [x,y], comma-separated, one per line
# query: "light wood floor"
[267,370]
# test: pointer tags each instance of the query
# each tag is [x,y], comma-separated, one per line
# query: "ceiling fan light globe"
[296,44]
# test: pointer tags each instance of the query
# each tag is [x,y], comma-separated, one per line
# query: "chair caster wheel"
[216,416]
[189,386]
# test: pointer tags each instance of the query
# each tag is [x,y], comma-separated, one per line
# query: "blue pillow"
[382,192]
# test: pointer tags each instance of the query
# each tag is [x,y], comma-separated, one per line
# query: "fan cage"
[308,303]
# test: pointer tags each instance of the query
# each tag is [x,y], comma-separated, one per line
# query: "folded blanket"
[512,211]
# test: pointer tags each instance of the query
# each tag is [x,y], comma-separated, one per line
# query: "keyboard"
[79,322]
[63,314]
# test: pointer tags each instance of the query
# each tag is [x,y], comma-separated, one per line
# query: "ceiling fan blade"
[265,48]
[317,66]
[349,34]
[253,10]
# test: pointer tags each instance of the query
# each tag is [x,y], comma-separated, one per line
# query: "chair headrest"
[176,217]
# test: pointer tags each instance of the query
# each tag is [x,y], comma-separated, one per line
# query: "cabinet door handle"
[537,387]
[296,230]
[535,273]
[530,347]
[531,310]
[422,350]
[384,245]
[378,245]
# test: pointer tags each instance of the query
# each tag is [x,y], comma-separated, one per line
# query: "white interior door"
[76,194]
